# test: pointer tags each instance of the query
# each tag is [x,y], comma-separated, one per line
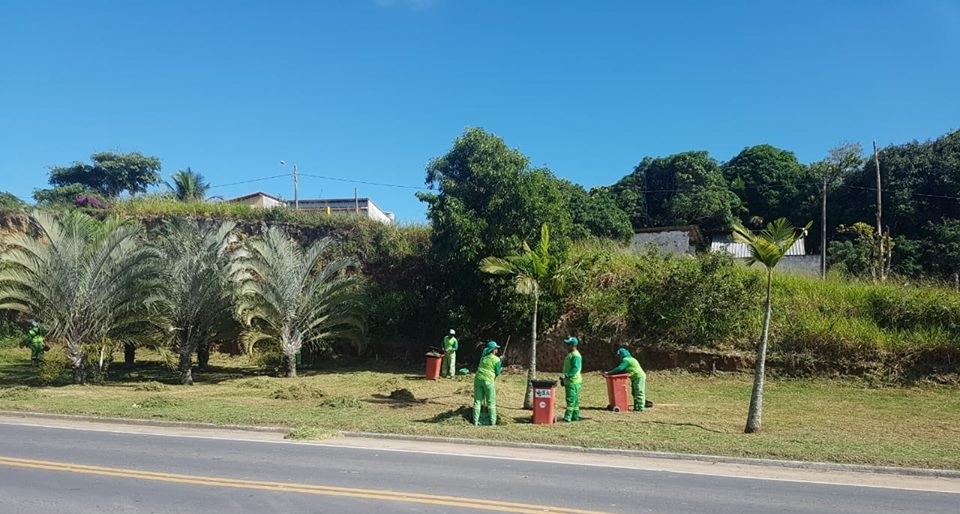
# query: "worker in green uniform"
[35,342]
[638,379]
[572,380]
[485,383]
[448,367]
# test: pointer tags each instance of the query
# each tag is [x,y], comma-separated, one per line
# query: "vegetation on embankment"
[653,303]
[887,332]
[839,420]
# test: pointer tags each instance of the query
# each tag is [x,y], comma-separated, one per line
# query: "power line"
[251,180]
[352,181]
[783,186]
[912,194]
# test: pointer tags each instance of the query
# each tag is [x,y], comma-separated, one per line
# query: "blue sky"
[371,90]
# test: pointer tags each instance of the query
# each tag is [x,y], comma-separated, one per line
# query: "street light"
[296,201]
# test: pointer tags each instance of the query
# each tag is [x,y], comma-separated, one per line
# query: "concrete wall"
[800,264]
[374,213]
[674,242]
[797,265]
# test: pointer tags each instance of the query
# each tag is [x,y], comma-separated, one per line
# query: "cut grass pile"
[804,419]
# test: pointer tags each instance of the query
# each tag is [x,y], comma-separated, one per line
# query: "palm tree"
[533,271]
[290,297]
[198,292]
[766,247]
[84,280]
[188,186]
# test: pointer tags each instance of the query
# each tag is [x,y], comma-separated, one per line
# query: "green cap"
[492,345]
[571,341]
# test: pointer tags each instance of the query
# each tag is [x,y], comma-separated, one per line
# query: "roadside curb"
[143,422]
[717,459]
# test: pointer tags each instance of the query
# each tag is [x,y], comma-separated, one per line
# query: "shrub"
[53,367]
[915,308]
[705,302]
[90,202]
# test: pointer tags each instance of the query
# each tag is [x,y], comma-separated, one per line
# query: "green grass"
[804,419]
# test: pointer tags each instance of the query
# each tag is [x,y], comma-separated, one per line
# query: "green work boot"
[575,416]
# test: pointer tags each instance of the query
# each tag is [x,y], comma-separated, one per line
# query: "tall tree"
[291,296]
[766,247]
[188,186]
[921,181]
[62,195]
[840,163]
[487,202]
[533,271]
[681,189]
[595,213]
[110,174]
[84,280]
[770,182]
[197,291]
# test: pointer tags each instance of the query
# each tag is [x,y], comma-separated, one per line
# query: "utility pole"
[823,229]
[882,257]
[296,182]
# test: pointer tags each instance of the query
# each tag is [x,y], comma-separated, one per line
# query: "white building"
[361,206]
[680,240]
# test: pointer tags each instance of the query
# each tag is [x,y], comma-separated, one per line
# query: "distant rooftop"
[726,244]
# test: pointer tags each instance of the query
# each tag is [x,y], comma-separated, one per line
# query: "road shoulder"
[947,481]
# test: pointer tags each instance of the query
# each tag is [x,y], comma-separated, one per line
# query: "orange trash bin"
[433,365]
[544,397]
[617,392]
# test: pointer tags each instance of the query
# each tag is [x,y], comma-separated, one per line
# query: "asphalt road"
[47,469]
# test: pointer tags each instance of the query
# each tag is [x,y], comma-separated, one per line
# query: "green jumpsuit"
[485,384]
[638,379]
[36,343]
[449,366]
[572,382]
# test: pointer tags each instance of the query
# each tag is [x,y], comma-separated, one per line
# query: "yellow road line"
[372,494]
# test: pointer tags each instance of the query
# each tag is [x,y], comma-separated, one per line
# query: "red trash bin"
[617,392]
[433,365]
[544,396]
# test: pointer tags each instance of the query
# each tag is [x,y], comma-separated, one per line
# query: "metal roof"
[726,244]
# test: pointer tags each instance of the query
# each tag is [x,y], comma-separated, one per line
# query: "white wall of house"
[261,201]
[676,242]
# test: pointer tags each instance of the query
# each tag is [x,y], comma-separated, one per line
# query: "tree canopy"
[488,201]
[109,174]
[681,189]
[771,183]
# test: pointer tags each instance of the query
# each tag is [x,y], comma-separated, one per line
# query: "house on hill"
[795,260]
[359,206]
[679,240]
[690,240]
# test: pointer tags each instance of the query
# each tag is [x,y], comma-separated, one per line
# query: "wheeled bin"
[544,397]
[617,391]
[433,365]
